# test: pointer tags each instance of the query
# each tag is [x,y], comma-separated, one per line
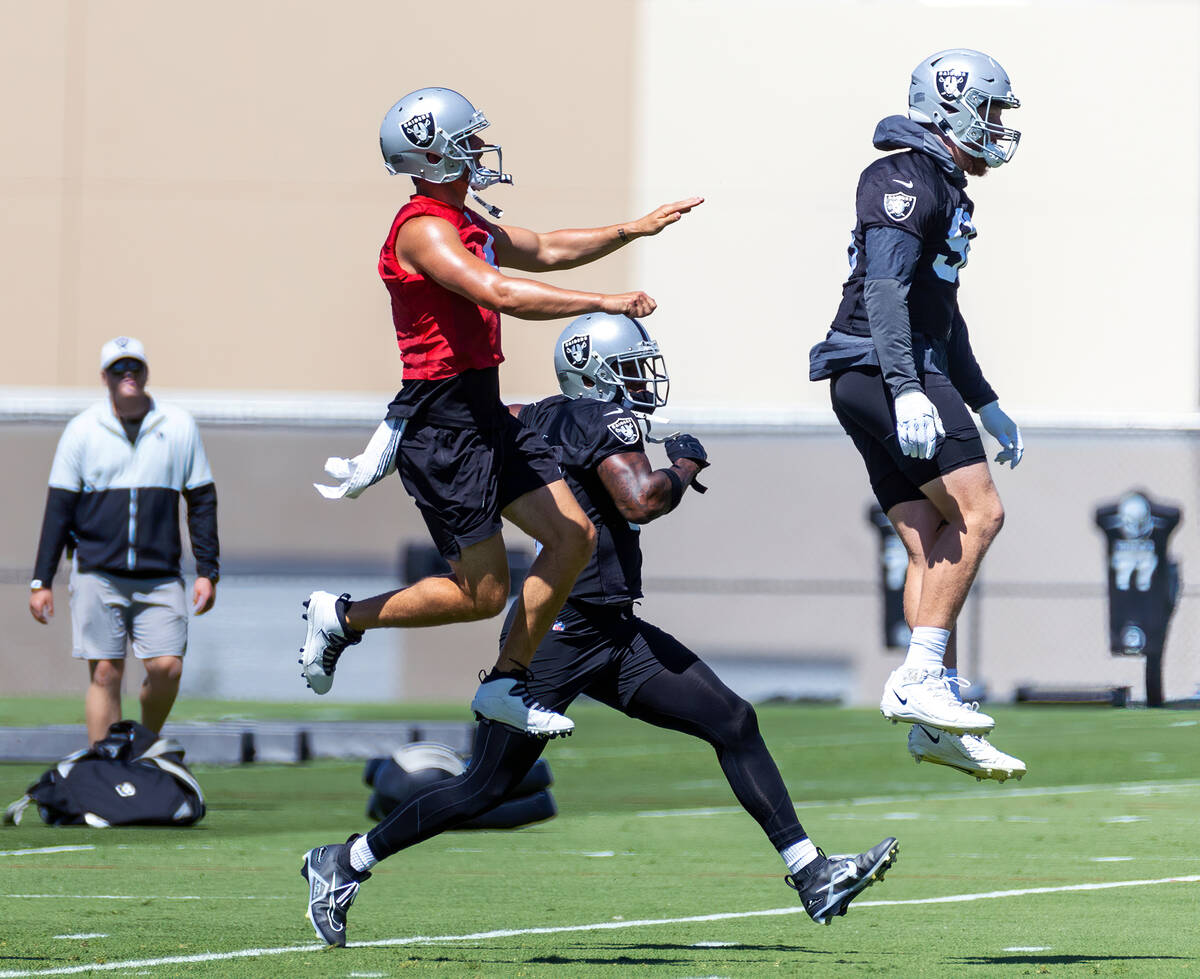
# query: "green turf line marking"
[565,929]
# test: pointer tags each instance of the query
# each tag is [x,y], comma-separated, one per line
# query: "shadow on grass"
[633,955]
[1030,958]
[642,954]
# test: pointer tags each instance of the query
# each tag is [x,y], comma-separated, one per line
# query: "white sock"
[955,689]
[926,648]
[361,857]
[799,855]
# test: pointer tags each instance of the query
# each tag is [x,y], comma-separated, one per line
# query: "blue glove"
[1004,430]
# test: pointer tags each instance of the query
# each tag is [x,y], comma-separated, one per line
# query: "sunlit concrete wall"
[209,179]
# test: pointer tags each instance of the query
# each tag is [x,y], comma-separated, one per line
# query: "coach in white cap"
[118,473]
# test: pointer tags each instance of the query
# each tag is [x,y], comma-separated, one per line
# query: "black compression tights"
[694,702]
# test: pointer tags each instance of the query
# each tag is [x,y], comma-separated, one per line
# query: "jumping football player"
[463,458]
[608,368]
[902,376]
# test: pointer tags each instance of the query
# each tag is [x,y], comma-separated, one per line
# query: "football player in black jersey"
[902,377]
[612,374]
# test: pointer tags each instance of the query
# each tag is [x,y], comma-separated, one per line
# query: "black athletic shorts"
[462,478]
[604,651]
[863,405]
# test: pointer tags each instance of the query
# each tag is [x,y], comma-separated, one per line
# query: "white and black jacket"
[117,503]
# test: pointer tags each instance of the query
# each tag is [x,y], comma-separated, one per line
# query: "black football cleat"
[332,887]
[828,884]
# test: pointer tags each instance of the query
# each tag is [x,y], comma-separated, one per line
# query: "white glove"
[1004,430]
[918,425]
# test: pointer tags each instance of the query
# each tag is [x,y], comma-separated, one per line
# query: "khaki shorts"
[108,612]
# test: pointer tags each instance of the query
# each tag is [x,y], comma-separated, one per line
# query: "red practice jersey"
[440,333]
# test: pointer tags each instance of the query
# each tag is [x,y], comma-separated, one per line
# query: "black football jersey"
[586,433]
[909,190]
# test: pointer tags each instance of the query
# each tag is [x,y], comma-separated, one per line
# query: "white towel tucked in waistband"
[377,460]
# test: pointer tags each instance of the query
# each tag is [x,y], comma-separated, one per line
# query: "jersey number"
[958,243]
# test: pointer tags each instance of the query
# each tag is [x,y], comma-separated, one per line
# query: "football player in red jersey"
[462,457]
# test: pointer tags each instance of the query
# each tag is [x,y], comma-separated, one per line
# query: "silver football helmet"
[955,90]
[609,357]
[427,134]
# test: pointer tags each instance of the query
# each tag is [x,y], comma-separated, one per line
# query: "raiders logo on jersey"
[578,349]
[419,130]
[626,429]
[898,206]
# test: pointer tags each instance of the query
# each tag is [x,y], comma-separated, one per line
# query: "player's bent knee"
[987,520]
[738,725]
[581,538]
[490,599]
[572,538]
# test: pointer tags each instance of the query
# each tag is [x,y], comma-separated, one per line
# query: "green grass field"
[650,869]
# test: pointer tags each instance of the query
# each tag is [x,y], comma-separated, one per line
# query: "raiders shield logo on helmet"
[419,130]
[951,84]
[577,350]
[626,430]
[899,206]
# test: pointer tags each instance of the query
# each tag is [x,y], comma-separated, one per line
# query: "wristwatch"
[36,584]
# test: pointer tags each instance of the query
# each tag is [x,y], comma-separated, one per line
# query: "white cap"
[120,347]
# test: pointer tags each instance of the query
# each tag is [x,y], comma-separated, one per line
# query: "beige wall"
[209,179]
[1081,291]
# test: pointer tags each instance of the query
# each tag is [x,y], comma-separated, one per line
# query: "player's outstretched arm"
[432,247]
[532,251]
[641,493]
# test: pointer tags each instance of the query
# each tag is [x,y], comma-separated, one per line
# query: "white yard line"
[44,849]
[148,897]
[566,929]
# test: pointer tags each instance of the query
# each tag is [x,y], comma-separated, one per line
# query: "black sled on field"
[398,778]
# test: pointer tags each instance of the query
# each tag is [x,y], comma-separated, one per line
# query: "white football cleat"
[505,699]
[328,635]
[917,696]
[968,753]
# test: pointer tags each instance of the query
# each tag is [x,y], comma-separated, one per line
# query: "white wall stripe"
[566,929]
[44,849]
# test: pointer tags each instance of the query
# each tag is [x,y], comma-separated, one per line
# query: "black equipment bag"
[131,777]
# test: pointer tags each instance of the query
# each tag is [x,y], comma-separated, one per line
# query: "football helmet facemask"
[956,90]
[427,134]
[609,357]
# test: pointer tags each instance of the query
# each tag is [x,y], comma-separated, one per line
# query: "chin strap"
[644,424]
[492,209]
